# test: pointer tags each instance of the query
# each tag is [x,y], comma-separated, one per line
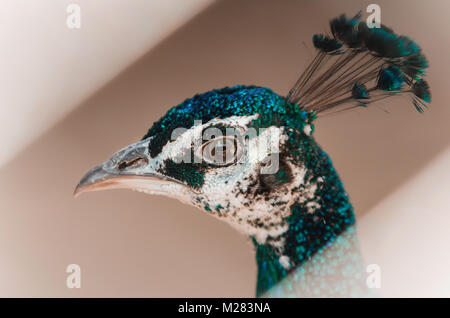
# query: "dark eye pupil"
[220,151]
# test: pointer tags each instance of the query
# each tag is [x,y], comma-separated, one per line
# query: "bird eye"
[221,151]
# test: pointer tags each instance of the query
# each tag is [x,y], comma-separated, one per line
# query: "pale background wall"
[47,69]
[394,165]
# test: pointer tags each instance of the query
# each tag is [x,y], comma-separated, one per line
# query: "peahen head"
[243,154]
[246,155]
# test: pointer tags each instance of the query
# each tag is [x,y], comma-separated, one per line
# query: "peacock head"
[237,153]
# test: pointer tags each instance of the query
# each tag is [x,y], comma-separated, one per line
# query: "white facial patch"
[250,212]
[230,192]
[232,188]
[184,138]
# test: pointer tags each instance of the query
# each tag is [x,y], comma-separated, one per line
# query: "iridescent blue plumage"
[390,79]
[388,44]
[225,102]
[359,91]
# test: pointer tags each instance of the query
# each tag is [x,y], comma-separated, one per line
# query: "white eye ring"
[220,151]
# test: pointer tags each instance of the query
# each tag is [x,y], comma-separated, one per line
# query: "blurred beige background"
[393,161]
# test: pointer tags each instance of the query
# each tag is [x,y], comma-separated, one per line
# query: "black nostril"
[134,163]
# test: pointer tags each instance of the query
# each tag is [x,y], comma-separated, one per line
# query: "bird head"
[236,153]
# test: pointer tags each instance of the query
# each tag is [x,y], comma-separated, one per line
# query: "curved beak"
[96,179]
[129,168]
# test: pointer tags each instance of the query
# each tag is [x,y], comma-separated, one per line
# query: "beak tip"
[77,191]
[89,179]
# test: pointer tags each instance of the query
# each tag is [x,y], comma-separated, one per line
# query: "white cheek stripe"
[172,149]
[221,186]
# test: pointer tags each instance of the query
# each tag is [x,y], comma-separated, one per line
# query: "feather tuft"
[358,66]
[359,91]
[326,44]
[346,30]
[390,79]
[414,66]
[389,45]
[422,90]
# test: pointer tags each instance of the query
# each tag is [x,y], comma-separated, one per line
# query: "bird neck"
[335,270]
[320,243]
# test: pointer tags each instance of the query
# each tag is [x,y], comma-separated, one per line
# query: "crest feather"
[358,65]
